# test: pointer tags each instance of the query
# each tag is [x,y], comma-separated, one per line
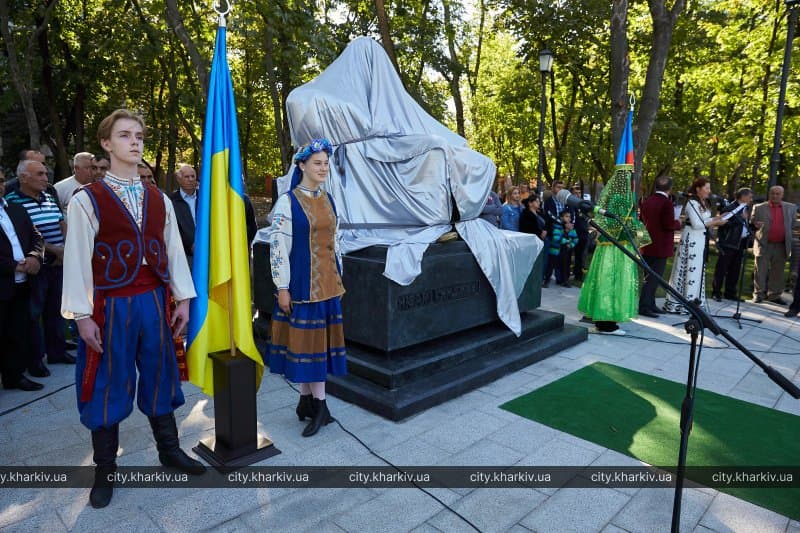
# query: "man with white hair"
[82,168]
[46,290]
[184,200]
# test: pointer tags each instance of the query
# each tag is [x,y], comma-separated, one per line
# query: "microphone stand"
[694,326]
[737,316]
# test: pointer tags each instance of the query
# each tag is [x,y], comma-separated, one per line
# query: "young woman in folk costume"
[307,336]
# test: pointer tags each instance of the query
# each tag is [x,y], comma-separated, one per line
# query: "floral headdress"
[304,153]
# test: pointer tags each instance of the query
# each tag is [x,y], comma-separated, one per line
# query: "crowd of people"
[126,248]
[565,234]
[738,226]
[35,227]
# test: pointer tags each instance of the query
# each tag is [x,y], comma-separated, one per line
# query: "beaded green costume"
[611,289]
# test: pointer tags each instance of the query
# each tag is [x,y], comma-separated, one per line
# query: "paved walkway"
[470,430]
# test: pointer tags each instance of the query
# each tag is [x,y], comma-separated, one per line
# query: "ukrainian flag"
[221,314]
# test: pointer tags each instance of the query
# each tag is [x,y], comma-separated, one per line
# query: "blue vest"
[300,256]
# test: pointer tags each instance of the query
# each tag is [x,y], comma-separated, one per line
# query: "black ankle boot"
[305,407]
[105,442]
[165,431]
[322,417]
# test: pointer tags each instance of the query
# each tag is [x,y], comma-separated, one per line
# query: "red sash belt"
[145,281]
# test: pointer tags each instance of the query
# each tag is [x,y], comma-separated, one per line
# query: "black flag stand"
[700,320]
[236,442]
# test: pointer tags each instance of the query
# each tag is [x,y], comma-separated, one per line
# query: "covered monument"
[401,180]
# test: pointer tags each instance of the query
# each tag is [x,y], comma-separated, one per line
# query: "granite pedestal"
[413,347]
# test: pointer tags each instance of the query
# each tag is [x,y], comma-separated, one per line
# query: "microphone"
[584,206]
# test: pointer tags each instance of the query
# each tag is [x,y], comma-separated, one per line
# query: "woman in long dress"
[610,292]
[689,264]
[307,337]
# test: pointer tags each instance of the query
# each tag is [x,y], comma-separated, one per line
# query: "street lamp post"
[774,161]
[545,66]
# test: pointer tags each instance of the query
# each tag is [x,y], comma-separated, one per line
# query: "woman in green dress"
[610,293]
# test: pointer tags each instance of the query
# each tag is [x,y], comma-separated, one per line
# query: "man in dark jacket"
[21,254]
[658,215]
[184,200]
[732,240]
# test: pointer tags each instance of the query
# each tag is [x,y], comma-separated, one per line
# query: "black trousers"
[647,298]
[580,252]
[14,323]
[48,329]
[795,305]
[729,265]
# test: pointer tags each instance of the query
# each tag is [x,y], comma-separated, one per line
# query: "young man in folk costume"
[307,336]
[122,262]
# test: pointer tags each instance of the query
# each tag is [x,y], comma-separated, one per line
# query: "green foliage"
[717,103]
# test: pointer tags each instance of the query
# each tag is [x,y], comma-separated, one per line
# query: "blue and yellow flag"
[221,313]
[625,151]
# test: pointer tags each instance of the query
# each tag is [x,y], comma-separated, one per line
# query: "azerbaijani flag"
[221,313]
[625,152]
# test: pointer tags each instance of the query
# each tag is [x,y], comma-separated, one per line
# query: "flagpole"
[236,441]
[222,23]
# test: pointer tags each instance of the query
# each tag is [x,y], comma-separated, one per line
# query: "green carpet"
[638,415]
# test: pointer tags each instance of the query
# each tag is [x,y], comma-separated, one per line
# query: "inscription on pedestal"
[461,291]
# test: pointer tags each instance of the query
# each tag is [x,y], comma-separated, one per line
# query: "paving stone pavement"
[470,430]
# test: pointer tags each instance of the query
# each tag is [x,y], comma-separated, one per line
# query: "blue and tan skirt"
[308,345]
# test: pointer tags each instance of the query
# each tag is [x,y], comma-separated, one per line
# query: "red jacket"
[659,217]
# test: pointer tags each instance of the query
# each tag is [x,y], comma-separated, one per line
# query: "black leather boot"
[165,432]
[305,407]
[105,442]
[322,417]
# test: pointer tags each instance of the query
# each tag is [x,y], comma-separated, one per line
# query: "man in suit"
[21,254]
[184,200]
[732,239]
[773,221]
[658,216]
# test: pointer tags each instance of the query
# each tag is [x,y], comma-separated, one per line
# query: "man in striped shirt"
[46,292]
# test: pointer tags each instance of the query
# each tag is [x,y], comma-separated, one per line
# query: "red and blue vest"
[120,246]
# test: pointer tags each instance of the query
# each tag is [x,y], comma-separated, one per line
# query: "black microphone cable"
[29,402]
[376,454]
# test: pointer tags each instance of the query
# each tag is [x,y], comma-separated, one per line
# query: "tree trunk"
[663,26]
[79,118]
[456,68]
[21,74]
[620,70]
[474,77]
[386,36]
[62,168]
[281,131]
[561,143]
[175,22]
[761,125]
